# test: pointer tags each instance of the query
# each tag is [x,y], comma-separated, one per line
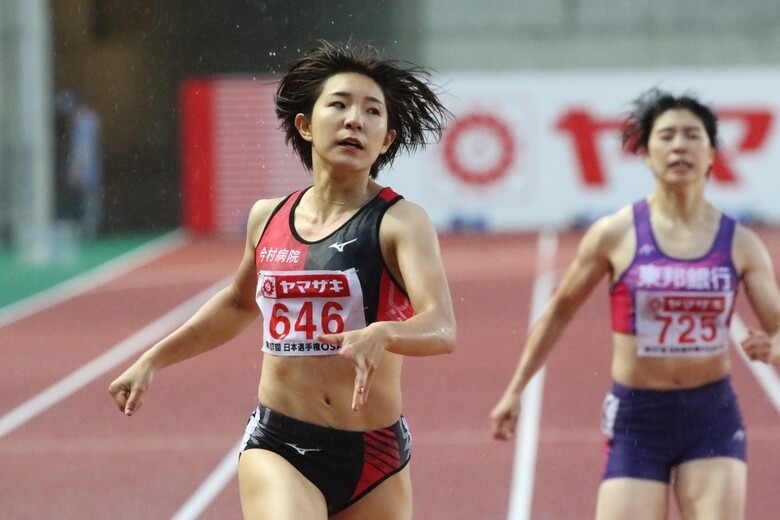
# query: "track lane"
[83,459]
[570,456]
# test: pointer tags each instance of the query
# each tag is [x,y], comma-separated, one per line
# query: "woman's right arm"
[219,320]
[758,276]
[590,265]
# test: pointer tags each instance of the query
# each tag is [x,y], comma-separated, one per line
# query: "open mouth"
[680,165]
[352,143]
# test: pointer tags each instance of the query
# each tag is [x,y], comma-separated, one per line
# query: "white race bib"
[297,306]
[682,324]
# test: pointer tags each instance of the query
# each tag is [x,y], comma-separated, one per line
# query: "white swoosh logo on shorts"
[302,451]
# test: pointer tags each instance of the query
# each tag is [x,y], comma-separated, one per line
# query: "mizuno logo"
[340,247]
[302,451]
[646,249]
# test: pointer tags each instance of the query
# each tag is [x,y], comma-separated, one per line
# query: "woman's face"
[348,126]
[679,148]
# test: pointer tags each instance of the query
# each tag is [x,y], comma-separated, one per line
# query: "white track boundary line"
[766,375]
[105,362]
[211,487]
[521,495]
[99,275]
[527,440]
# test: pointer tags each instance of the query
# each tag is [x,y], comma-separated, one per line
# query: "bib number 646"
[306,320]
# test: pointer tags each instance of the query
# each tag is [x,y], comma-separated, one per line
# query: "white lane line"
[766,375]
[527,440]
[99,275]
[211,487]
[105,362]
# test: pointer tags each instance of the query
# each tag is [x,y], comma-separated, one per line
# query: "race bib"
[297,306]
[682,324]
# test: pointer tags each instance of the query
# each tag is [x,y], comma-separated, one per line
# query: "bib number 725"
[690,328]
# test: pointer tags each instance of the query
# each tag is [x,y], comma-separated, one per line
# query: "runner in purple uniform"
[674,262]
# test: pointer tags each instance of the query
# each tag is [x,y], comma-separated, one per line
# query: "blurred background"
[122,122]
[127,61]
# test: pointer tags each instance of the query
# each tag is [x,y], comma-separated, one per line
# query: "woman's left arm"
[412,252]
[758,276]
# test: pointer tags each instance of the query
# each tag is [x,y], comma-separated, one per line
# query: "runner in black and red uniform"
[674,262]
[343,277]
[349,280]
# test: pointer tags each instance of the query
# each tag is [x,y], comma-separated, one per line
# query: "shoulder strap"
[644,231]
[725,237]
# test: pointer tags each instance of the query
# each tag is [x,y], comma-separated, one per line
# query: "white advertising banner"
[528,151]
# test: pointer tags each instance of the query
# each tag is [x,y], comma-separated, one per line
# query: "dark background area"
[128,61]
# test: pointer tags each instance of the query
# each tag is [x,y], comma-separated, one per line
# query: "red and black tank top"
[332,285]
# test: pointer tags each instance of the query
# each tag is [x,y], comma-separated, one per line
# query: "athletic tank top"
[336,284]
[676,307]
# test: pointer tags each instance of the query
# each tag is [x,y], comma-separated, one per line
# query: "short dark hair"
[413,108]
[651,104]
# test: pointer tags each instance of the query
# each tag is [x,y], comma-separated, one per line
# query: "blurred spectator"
[79,188]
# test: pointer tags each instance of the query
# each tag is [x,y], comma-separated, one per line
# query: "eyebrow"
[684,128]
[349,95]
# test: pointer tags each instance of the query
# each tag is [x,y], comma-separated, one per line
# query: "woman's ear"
[713,157]
[389,138]
[645,156]
[303,125]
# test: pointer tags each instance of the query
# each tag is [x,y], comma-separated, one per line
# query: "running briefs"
[344,465]
[650,432]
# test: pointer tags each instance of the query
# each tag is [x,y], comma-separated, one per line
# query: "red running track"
[69,454]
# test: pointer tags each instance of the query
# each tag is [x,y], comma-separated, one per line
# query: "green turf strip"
[20,279]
